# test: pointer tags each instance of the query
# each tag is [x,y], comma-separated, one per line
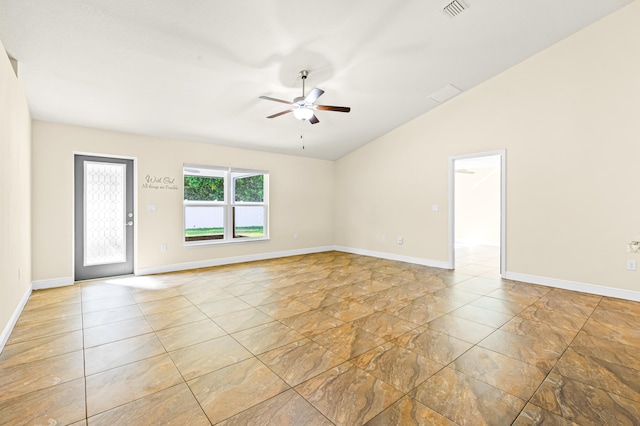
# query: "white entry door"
[103,217]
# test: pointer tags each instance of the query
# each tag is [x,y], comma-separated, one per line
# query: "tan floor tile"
[466,400]
[108,316]
[500,371]
[175,318]
[121,352]
[284,308]
[409,412]
[514,296]
[347,395]
[53,297]
[561,337]
[111,388]
[542,354]
[313,322]
[416,289]
[534,415]
[37,330]
[241,289]
[348,310]
[432,344]
[500,305]
[418,313]
[607,350]
[202,296]
[242,320]
[384,325]
[348,341]
[202,358]
[613,378]
[481,315]
[102,334]
[151,295]
[478,285]
[553,318]
[175,405]
[399,367]
[285,409]
[24,378]
[41,348]
[460,328]
[456,294]
[584,404]
[620,305]
[615,318]
[104,303]
[189,334]
[223,307]
[620,334]
[164,305]
[230,390]
[383,302]
[49,313]
[99,290]
[266,337]
[299,361]
[555,302]
[59,404]
[531,289]
[263,297]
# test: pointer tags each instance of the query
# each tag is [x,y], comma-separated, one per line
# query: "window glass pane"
[203,223]
[199,188]
[248,188]
[248,221]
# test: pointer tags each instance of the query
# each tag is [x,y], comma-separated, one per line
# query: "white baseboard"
[575,286]
[14,318]
[398,257]
[229,260]
[52,283]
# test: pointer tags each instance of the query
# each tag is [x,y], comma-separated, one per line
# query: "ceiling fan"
[303,107]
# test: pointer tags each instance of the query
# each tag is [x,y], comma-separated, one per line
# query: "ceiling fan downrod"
[303,75]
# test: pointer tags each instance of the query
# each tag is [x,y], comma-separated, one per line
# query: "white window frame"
[229,174]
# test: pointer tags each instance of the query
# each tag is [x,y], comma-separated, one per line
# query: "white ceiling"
[194,69]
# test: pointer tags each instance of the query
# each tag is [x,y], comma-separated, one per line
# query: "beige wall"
[301,197]
[15,195]
[568,119]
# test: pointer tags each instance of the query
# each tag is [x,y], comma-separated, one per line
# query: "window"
[224,204]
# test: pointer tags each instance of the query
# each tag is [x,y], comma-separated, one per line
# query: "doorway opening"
[477,228]
[103,216]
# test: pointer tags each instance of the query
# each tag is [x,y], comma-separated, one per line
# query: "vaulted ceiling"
[194,69]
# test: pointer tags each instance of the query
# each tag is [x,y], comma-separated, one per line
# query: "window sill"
[209,243]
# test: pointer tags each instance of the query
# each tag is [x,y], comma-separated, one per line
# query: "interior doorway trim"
[503,204]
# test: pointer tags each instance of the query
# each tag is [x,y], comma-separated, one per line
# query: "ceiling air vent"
[454,8]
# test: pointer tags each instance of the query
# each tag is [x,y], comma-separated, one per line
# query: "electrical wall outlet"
[400,240]
[163,248]
[632,265]
[295,235]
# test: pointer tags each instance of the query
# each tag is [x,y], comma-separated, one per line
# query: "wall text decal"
[159,182]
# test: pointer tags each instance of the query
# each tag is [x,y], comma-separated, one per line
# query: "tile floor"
[322,339]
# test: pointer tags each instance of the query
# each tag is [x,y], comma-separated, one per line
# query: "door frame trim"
[135,206]
[503,204]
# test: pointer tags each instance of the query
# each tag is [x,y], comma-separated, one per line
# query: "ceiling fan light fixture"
[303,113]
